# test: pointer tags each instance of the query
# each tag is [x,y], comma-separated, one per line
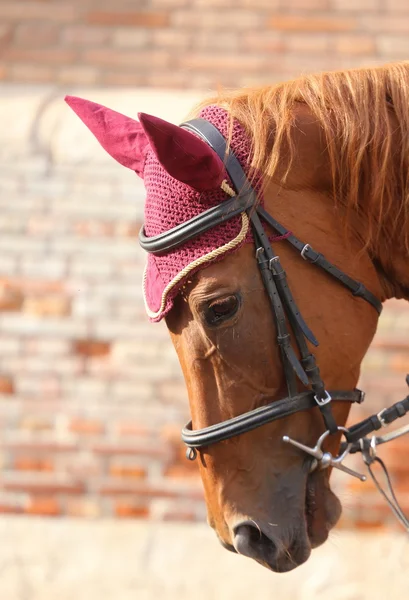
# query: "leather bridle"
[284,310]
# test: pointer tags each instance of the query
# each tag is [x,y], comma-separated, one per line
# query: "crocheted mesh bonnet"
[196,185]
[169,203]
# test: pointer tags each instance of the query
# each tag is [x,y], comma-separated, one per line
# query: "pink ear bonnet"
[182,177]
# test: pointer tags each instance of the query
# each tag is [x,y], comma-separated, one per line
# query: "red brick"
[400,363]
[397,5]
[38,445]
[131,37]
[84,35]
[127,229]
[36,423]
[390,344]
[11,297]
[127,471]
[226,62]
[30,73]
[44,506]
[125,79]
[49,486]
[115,487]
[34,285]
[312,4]
[112,448]
[19,10]
[166,38]
[355,45]
[31,35]
[182,470]
[376,523]
[6,34]
[127,59]
[129,19]
[10,509]
[56,56]
[94,228]
[224,19]
[177,465]
[130,510]
[311,43]
[82,507]
[363,6]
[6,385]
[86,426]
[91,348]
[179,515]
[283,22]
[133,429]
[78,74]
[27,463]
[394,46]
[47,306]
[166,79]
[386,23]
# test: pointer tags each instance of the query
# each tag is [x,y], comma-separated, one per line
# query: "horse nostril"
[250,541]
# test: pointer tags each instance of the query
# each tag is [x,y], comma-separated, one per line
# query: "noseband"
[284,309]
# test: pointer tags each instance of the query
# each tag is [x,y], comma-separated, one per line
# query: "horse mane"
[364,116]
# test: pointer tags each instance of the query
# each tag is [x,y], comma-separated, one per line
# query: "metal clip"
[323,460]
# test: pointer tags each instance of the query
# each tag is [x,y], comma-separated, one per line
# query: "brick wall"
[194,43]
[91,396]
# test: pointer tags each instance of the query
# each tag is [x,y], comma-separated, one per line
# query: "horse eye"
[221,309]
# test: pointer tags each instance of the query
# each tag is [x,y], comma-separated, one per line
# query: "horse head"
[266,499]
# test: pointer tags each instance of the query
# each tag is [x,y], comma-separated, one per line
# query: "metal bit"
[323,460]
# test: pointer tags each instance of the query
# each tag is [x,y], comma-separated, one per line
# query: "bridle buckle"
[304,250]
[381,419]
[323,401]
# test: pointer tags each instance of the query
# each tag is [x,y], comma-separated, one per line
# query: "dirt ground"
[67,559]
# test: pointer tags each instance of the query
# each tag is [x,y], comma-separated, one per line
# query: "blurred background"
[96,498]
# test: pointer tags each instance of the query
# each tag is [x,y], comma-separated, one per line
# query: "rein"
[284,310]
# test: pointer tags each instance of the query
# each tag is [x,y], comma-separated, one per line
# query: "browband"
[164,242]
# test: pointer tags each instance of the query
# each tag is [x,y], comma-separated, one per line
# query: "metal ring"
[191,454]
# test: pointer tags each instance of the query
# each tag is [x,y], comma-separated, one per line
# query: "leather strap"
[375,422]
[316,258]
[275,281]
[212,136]
[164,242]
[258,417]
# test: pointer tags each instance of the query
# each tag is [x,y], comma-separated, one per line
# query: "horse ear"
[122,137]
[184,156]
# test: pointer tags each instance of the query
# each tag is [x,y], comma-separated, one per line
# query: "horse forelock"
[363,115]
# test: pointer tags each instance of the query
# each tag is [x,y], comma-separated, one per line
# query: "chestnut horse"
[327,156]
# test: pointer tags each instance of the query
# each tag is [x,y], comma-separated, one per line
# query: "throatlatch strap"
[308,253]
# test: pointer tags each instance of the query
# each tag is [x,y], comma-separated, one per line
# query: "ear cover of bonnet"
[183,155]
[182,177]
